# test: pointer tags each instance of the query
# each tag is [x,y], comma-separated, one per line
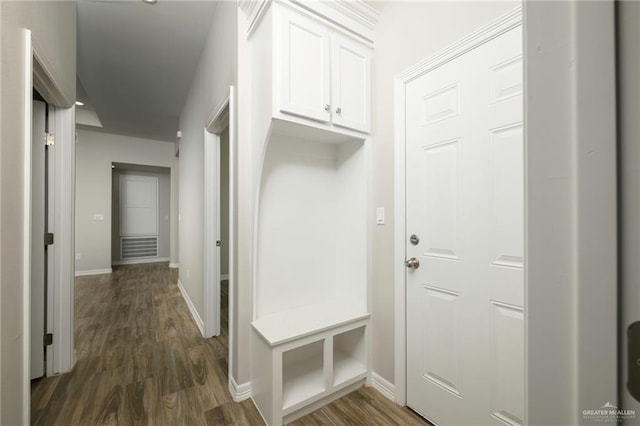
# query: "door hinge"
[218,243]
[49,139]
[47,339]
[48,238]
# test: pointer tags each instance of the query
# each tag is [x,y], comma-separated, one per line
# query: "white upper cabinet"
[322,75]
[305,81]
[350,84]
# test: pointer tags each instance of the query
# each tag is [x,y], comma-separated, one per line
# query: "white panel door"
[350,84]
[138,205]
[465,319]
[304,73]
[38,229]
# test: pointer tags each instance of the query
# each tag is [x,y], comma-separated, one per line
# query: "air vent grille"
[138,247]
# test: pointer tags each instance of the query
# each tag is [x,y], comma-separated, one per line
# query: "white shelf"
[302,380]
[346,367]
[293,324]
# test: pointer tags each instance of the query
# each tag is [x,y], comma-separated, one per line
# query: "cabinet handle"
[327,108]
[338,110]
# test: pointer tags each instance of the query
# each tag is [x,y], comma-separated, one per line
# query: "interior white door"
[138,205]
[304,77]
[350,84]
[465,180]
[38,211]
[212,234]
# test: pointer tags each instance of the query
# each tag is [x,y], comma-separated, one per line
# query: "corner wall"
[94,154]
[53,28]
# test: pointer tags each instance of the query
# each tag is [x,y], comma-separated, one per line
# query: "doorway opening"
[140,214]
[217,223]
[460,313]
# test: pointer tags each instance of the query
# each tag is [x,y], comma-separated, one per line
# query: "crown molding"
[341,12]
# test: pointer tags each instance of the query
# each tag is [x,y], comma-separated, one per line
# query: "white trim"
[239,392]
[211,233]
[192,308]
[44,81]
[174,265]
[217,122]
[383,386]
[63,199]
[93,272]
[219,118]
[224,277]
[27,93]
[354,16]
[138,261]
[253,11]
[483,35]
[399,253]
[233,185]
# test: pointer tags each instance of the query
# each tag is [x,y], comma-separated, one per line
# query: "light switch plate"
[379,215]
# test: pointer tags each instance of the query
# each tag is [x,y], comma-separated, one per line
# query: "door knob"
[327,108]
[338,110]
[412,263]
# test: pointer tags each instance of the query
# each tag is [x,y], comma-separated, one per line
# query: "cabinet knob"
[338,110]
[327,107]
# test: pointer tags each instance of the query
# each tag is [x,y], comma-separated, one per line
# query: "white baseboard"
[239,392]
[192,308]
[93,272]
[224,277]
[383,386]
[174,265]
[137,261]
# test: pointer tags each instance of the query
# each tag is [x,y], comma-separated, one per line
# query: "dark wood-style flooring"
[142,360]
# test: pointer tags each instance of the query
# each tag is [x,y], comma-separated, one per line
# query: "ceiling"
[136,62]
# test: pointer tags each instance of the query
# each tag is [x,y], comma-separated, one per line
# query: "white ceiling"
[136,61]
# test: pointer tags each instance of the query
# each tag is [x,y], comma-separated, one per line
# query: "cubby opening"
[349,359]
[302,373]
[311,243]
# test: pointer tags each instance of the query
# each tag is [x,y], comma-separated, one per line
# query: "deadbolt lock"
[414,239]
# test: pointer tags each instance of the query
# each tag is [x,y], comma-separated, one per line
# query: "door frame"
[221,118]
[485,34]
[60,355]
[570,208]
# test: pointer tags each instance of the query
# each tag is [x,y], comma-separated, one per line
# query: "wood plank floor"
[142,360]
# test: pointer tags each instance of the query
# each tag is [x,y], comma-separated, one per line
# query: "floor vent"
[137,247]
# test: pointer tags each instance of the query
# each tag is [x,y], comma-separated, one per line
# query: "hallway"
[142,360]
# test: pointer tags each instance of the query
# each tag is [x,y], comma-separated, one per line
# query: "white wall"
[164,210]
[94,154]
[209,88]
[53,26]
[407,33]
[571,247]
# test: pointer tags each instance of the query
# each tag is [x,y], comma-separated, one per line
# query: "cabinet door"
[351,85]
[304,68]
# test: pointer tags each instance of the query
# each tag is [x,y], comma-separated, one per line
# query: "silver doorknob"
[338,110]
[412,263]
[327,108]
